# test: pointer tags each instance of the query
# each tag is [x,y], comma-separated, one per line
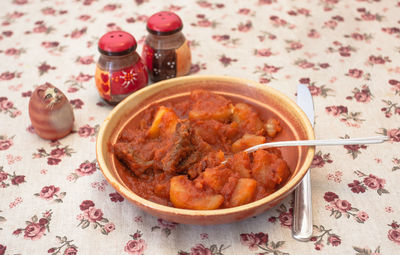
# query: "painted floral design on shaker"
[92,216]
[36,228]
[51,193]
[56,154]
[64,246]
[166,227]
[86,168]
[319,235]
[339,208]
[137,245]
[368,181]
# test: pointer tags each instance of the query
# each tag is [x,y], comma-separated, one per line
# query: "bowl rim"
[130,195]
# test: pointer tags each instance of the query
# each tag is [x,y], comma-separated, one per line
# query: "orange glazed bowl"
[295,123]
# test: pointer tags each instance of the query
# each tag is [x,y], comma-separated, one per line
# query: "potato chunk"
[247,141]
[268,169]
[185,195]
[164,121]
[247,119]
[216,177]
[240,163]
[244,191]
[273,127]
[207,105]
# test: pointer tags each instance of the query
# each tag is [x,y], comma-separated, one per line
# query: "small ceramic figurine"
[50,112]
[166,52]
[119,71]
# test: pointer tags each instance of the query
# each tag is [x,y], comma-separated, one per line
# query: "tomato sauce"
[173,154]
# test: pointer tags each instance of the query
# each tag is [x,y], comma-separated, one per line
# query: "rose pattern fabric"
[345,52]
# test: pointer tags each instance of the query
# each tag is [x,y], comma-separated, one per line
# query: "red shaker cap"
[117,43]
[164,23]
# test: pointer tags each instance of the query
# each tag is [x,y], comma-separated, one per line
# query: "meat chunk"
[127,154]
[178,148]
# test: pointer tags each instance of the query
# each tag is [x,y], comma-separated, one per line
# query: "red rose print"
[374,182]
[109,227]
[135,247]
[330,196]
[86,204]
[50,44]
[87,60]
[334,240]
[71,251]
[53,161]
[18,179]
[167,224]
[5,144]
[116,197]
[342,205]
[314,90]
[286,219]
[86,131]
[363,216]
[6,76]
[86,168]
[199,249]
[3,176]
[251,240]
[394,135]
[336,110]
[34,231]
[43,221]
[355,73]
[77,103]
[356,187]
[57,153]
[92,214]
[394,235]
[304,80]
[318,246]
[48,192]
[2,249]
[318,161]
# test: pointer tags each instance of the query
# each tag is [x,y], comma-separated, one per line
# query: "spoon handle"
[328,142]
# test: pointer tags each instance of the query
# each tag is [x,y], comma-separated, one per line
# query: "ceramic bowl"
[295,123]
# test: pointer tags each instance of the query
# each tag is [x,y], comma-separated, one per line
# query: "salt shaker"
[119,70]
[166,51]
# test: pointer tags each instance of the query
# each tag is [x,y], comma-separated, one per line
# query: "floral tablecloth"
[54,199]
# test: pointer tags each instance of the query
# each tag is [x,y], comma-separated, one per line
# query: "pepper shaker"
[119,70]
[166,51]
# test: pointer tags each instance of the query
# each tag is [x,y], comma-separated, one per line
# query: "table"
[54,199]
